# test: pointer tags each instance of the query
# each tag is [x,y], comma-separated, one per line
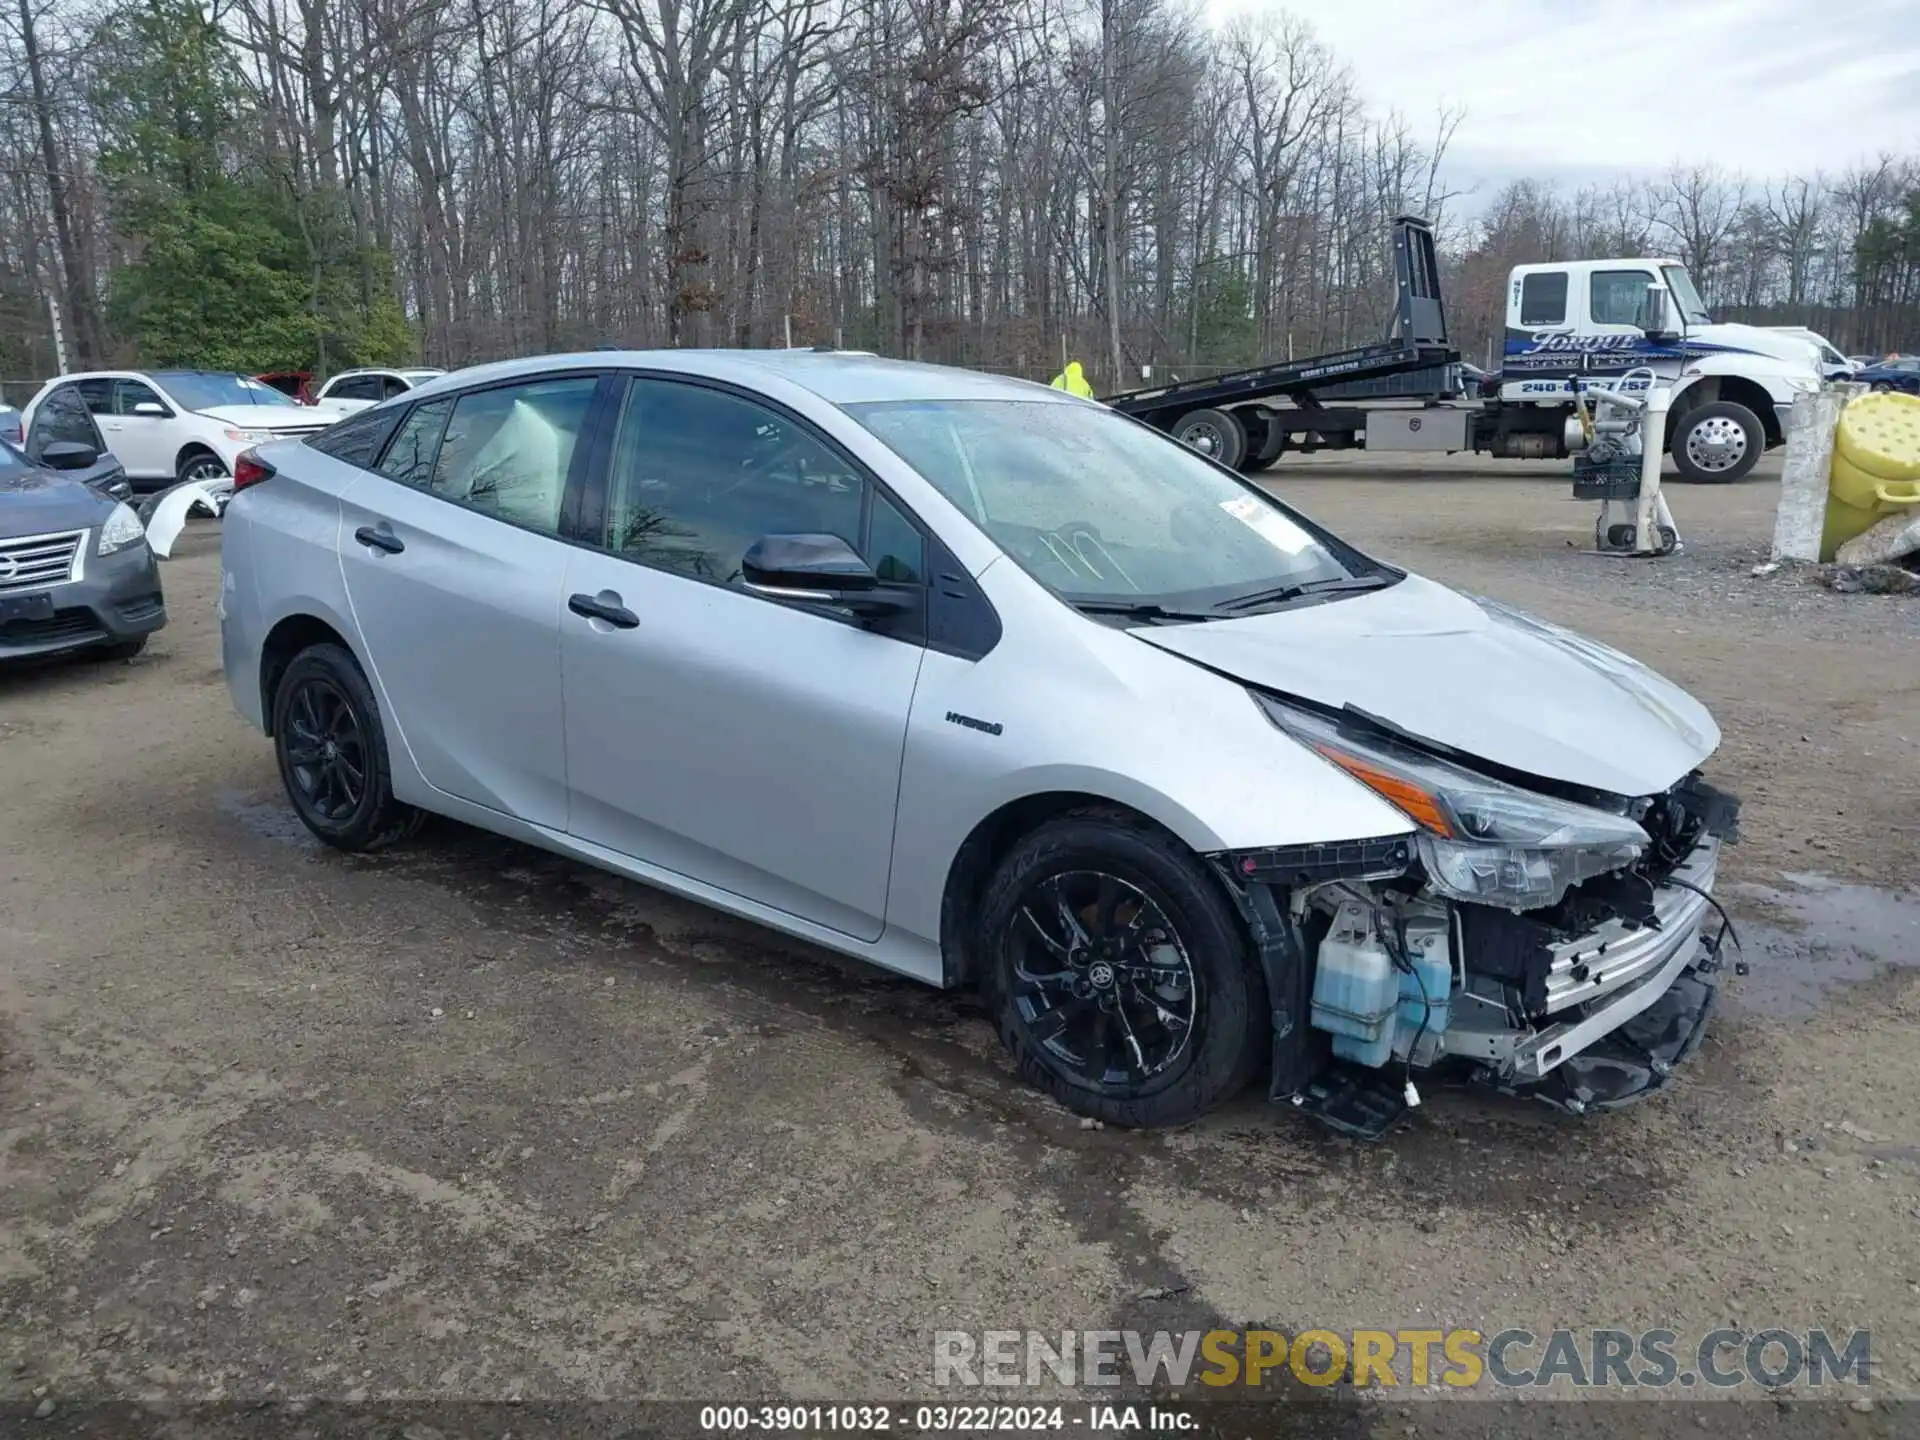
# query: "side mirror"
[153,408]
[69,455]
[1656,313]
[823,569]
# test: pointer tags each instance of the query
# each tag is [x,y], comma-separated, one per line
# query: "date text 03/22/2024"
[924,1419]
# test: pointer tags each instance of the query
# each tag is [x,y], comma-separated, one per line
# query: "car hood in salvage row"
[1470,674]
[264,417]
[33,502]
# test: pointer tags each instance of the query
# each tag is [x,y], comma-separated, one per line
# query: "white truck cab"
[1626,323]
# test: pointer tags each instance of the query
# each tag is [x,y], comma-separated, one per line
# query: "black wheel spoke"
[1106,904]
[1070,922]
[349,792]
[1112,1046]
[303,752]
[1051,1024]
[1045,980]
[1056,947]
[1130,1052]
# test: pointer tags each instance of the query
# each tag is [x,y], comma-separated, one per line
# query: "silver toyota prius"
[992,686]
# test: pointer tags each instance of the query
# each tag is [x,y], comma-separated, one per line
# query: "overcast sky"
[1582,89]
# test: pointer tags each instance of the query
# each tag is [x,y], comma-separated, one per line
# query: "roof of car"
[837,376]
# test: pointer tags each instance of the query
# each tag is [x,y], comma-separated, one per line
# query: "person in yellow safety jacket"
[1074,380]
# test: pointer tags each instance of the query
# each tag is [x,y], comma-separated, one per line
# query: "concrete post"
[1802,511]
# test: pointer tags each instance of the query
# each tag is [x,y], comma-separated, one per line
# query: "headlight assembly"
[250,437]
[1480,839]
[122,529]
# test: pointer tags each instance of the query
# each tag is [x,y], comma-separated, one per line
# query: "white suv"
[353,390]
[170,426]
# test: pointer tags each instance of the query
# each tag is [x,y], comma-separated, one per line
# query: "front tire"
[1118,973]
[332,751]
[201,466]
[1717,443]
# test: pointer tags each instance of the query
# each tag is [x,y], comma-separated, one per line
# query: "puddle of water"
[269,819]
[1809,936]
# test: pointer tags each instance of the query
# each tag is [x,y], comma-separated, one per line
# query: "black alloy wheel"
[1120,974]
[1100,979]
[332,751]
[326,750]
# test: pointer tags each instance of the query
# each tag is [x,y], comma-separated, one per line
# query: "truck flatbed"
[1222,415]
[1285,378]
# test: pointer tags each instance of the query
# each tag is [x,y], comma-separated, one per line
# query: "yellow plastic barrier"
[1880,434]
[1876,466]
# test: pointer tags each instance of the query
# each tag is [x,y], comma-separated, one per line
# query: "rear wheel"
[1717,443]
[1214,433]
[332,750]
[1121,980]
[1265,440]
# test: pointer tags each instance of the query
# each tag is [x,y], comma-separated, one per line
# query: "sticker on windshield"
[1268,523]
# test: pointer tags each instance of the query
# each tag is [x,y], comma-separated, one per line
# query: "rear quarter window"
[357,440]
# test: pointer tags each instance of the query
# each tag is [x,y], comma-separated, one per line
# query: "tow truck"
[1570,326]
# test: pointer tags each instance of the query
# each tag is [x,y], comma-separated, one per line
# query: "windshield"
[1102,510]
[1685,298]
[197,390]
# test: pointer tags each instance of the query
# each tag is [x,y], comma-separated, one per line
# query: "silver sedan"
[989,685]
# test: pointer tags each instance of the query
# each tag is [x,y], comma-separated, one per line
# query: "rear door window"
[507,450]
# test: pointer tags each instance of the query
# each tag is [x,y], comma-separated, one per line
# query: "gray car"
[75,570]
[992,686]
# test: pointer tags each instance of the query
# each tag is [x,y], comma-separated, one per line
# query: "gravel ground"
[468,1122]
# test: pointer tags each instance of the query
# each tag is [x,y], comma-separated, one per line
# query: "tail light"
[249,470]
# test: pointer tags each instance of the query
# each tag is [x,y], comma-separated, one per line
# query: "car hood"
[1470,674]
[264,417]
[34,502]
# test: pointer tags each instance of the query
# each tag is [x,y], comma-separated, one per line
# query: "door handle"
[614,613]
[380,539]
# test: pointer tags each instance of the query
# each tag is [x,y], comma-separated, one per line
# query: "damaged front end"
[1553,941]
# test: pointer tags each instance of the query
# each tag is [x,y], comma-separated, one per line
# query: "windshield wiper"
[1279,595]
[1137,610]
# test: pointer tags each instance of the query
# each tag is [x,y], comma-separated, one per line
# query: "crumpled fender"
[167,514]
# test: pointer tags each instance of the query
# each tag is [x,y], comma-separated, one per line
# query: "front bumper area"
[1600,985]
[117,598]
[1633,1060]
